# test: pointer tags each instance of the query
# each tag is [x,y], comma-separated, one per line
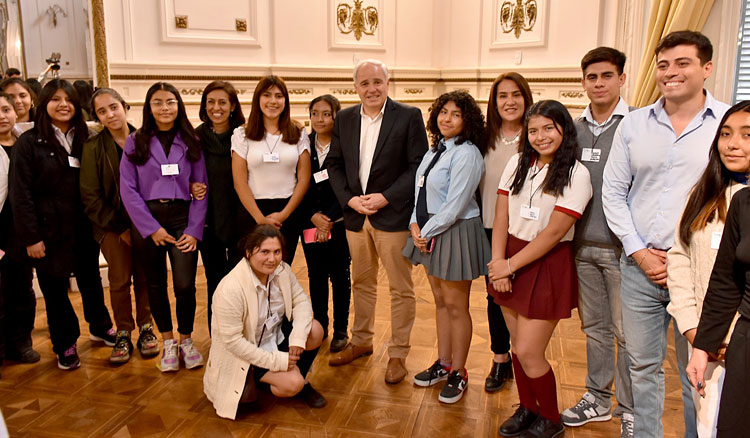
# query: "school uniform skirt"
[460,253]
[544,289]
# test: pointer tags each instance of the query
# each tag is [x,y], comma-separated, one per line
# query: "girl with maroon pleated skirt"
[542,192]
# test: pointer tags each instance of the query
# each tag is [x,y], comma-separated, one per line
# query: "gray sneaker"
[626,425]
[585,411]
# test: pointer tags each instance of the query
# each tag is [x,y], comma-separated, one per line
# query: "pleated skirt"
[460,253]
[545,289]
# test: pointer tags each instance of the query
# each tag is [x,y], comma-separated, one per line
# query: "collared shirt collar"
[66,139]
[256,280]
[709,108]
[449,144]
[621,109]
[380,113]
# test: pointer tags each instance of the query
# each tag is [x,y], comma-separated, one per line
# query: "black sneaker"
[148,344]
[122,349]
[69,359]
[432,375]
[544,428]
[109,337]
[27,355]
[339,341]
[454,388]
[517,424]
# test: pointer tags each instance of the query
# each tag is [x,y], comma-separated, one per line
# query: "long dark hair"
[473,119]
[255,130]
[707,198]
[561,168]
[494,122]
[43,122]
[236,118]
[112,92]
[143,135]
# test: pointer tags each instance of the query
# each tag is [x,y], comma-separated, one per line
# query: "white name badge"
[592,155]
[74,162]
[169,169]
[271,158]
[715,239]
[528,212]
[420,183]
[320,176]
[272,321]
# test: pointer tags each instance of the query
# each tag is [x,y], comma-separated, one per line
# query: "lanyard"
[268,146]
[268,315]
[531,185]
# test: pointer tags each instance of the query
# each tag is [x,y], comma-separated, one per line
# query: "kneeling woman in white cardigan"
[262,330]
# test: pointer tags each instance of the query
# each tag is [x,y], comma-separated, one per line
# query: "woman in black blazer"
[50,221]
[324,235]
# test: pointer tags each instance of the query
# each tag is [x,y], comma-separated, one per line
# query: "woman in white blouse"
[696,243]
[262,330]
[271,164]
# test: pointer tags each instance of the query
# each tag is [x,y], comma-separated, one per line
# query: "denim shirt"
[651,170]
[450,186]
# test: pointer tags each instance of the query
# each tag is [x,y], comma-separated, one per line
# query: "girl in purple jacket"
[163,157]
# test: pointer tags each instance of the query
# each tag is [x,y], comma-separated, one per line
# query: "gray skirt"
[460,253]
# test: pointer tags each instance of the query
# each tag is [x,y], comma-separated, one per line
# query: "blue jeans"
[645,321]
[600,309]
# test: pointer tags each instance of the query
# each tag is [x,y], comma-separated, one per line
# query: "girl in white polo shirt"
[542,192]
[271,164]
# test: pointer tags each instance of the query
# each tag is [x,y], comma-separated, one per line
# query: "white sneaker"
[190,354]
[626,425]
[585,411]
[169,361]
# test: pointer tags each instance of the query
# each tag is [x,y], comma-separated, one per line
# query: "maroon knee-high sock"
[523,384]
[545,390]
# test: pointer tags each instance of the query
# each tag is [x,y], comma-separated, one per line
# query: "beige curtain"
[666,16]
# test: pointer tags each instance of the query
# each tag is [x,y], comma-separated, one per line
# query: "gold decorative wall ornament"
[413,90]
[518,17]
[572,94]
[180,21]
[240,24]
[357,20]
[344,91]
[300,91]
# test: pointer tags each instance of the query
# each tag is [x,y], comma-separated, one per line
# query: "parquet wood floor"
[136,400]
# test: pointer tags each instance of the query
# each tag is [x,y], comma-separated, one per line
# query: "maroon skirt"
[545,289]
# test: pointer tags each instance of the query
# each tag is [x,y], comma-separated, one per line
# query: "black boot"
[499,373]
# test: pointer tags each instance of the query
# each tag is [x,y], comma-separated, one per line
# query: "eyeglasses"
[158,103]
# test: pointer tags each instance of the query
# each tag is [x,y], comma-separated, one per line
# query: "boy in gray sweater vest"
[598,252]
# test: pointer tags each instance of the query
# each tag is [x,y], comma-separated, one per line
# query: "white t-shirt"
[267,179]
[573,201]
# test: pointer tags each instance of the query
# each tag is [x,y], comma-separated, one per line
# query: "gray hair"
[372,62]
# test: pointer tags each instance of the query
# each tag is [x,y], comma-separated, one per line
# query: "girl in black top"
[50,221]
[17,299]
[324,236]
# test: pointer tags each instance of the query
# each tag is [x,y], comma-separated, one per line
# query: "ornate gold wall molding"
[240,24]
[413,90]
[100,44]
[518,17]
[572,94]
[181,21]
[348,79]
[357,19]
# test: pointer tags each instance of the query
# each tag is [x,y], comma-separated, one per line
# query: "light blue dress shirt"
[651,170]
[450,186]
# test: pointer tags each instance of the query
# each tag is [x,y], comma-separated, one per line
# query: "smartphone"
[431,245]
[309,235]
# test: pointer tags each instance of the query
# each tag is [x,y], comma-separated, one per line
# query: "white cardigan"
[689,270]
[233,344]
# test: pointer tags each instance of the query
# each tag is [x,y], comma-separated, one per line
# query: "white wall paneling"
[57,26]
[205,23]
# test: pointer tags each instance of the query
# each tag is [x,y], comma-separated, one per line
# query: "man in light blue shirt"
[657,155]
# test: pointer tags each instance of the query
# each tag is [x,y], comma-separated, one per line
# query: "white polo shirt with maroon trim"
[530,210]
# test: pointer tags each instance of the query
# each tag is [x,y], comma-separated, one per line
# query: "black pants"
[305,361]
[61,318]
[218,259]
[291,228]
[173,217]
[330,260]
[733,419]
[499,335]
[17,305]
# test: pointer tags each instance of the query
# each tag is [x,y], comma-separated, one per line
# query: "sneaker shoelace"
[170,351]
[71,351]
[188,349]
